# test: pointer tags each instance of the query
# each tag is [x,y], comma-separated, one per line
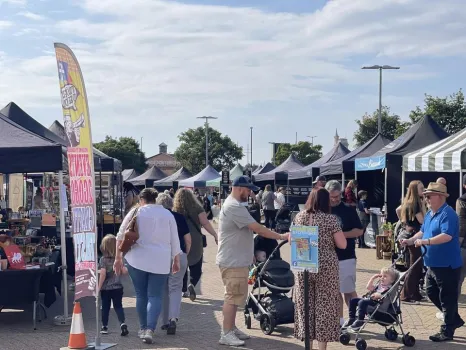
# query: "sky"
[283,67]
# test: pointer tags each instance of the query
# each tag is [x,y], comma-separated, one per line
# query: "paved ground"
[199,327]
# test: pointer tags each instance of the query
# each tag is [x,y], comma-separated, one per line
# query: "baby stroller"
[386,313]
[271,307]
[283,218]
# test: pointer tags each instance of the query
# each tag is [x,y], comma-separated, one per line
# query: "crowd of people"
[171,246]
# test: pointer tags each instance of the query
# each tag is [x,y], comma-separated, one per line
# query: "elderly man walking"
[236,253]
[352,229]
[439,234]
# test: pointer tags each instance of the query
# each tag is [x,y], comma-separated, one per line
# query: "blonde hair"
[412,203]
[186,202]
[352,184]
[394,274]
[108,246]
[268,188]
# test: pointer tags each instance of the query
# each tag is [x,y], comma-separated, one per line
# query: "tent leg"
[402,184]
[461,182]
[355,175]
[343,180]
[385,190]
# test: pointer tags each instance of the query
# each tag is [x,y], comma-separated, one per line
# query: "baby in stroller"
[358,307]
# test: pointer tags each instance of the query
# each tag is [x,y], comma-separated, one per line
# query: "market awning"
[200,179]
[445,155]
[181,174]
[235,172]
[291,164]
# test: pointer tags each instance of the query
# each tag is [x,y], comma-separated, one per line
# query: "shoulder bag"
[204,238]
[131,234]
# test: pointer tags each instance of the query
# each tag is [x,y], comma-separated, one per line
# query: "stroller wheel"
[267,323]
[345,338]
[391,334]
[409,340]
[247,321]
[361,344]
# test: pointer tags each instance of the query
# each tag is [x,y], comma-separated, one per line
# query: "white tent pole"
[402,184]
[343,181]
[461,182]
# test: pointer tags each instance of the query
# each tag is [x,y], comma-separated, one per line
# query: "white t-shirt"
[158,241]
[279,201]
[235,239]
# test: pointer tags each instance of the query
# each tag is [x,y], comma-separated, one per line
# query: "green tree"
[304,151]
[223,152]
[392,126]
[449,112]
[125,149]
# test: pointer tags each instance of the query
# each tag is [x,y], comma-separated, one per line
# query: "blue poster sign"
[370,163]
[305,248]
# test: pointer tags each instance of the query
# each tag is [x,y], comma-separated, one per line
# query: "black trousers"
[412,280]
[108,297]
[358,307]
[442,290]
[195,273]
[270,218]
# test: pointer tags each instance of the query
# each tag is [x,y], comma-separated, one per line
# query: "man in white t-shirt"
[235,254]
[280,198]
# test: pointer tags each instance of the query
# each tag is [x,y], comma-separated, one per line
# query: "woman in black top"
[411,213]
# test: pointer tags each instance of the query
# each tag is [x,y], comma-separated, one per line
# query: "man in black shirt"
[352,228]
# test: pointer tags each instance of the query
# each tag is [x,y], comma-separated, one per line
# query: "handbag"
[131,234]
[204,238]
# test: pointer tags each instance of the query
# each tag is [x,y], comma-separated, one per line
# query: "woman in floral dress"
[324,286]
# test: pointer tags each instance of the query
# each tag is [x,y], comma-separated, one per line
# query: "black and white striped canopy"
[445,155]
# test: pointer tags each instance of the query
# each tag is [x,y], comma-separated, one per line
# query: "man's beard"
[244,197]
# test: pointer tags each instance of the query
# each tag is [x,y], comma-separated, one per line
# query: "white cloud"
[31,15]
[20,3]
[166,62]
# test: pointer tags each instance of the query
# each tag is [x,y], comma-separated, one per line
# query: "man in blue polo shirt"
[439,234]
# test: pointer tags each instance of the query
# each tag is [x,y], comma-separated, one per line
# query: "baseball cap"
[244,181]
[319,178]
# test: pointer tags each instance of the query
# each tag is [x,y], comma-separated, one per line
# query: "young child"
[110,287]
[260,256]
[358,306]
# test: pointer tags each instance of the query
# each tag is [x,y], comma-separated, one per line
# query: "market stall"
[147,179]
[200,179]
[235,172]
[381,172]
[290,165]
[129,174]
[173,180]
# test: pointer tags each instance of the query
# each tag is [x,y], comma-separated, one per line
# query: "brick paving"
[199,327]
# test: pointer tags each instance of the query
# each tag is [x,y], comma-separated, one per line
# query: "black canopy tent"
[345,165]
[129,174]
[147,179]
[173,179]
[289,165]
[312,170]
[264,169]
[388,161]
[200,179]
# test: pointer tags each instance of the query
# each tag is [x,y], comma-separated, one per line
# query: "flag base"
[102,346]
[88,348]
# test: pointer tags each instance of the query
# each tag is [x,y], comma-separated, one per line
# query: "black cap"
[319,178]
[244,181]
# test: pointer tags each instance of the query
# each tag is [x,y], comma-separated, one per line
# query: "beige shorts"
[235,281]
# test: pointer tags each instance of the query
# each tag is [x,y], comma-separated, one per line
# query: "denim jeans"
[358,307]
[149,288]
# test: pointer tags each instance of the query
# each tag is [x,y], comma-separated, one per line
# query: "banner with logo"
[77,125]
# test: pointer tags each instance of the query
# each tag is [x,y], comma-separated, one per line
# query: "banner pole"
[307,345]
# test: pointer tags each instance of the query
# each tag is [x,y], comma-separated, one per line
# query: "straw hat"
[436,188]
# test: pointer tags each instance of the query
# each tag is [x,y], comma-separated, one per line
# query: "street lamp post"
[312,139]
[273,152]
[380,68]
[207,137]
[251,147]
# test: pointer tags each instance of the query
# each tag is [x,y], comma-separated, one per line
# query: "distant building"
[164,161]
[343,140]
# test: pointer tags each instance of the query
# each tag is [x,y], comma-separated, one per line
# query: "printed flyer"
[81,169]
[304,248]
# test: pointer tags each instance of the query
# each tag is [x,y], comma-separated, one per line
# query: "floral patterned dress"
[324,286]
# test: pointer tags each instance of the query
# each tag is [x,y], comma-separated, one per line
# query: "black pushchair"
[283,218]
[387,313]
[271,307]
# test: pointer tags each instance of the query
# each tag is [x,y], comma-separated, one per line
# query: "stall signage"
[81,169]
[298,190]
[15,257]
[370,163]
[225,177]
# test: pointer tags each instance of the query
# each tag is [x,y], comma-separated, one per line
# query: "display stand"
[307,343]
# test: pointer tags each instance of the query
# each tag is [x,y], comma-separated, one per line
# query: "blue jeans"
[150,288]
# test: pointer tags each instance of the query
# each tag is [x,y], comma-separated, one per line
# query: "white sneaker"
[148,336]
[141,333]
[439,315]
[230,339]
[241,335]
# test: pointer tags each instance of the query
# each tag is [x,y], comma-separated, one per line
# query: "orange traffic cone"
[77,335]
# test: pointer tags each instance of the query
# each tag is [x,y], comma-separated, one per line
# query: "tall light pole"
[380,68]
[312,139]
[206,124]
[251,147]
[273,152]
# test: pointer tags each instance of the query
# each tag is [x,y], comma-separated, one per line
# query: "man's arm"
[265,232]
[354,233]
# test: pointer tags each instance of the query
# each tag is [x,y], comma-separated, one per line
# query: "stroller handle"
[281,244]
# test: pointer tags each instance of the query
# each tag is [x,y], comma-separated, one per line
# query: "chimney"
[163,148]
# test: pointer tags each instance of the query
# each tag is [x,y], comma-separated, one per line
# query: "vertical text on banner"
[81,169]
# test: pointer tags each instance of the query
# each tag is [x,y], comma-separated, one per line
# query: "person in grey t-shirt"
[236,253]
